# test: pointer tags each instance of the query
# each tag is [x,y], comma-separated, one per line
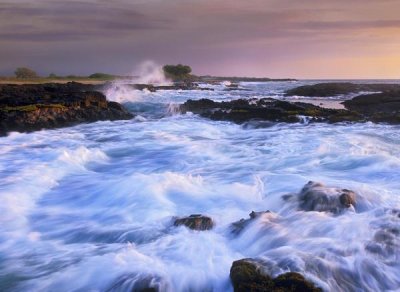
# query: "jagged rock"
[32,107]
[317,197]
[247,275]
[237,227]
[195,222]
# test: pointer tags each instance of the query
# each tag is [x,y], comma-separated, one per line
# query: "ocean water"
[90,207]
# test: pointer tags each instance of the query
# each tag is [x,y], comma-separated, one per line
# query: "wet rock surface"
[195,222]
[247,275]
[317,197]
[386,237]
[267,109]
[31,107]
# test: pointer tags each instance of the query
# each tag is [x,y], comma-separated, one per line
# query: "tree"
[177,70]
[101,76]
[52,75]
[23,72]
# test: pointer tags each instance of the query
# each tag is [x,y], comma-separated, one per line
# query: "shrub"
[101,76]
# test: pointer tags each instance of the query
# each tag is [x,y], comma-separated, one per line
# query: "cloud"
[218,36]
[73,20]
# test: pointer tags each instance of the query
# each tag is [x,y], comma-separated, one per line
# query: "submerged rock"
[316,197]
[33,107]
[237,227]
[247,275]
[195,222]
[139,283]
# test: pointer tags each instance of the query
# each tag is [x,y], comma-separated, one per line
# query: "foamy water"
[89,208]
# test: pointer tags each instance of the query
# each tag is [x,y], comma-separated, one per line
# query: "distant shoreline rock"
[338,88]
[31,107]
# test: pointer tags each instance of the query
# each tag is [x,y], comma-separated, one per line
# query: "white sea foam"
[90,207]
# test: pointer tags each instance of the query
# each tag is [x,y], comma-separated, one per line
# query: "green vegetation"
[177,72]
[103,76]
[23,72]
[31,107]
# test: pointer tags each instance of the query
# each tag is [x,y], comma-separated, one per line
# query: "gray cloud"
[215,36]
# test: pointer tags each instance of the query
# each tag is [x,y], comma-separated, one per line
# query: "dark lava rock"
[378,107]
[246,275]
[33,107]
[237,227]
[338,88]
[266,109]
[317,197]
[195,222]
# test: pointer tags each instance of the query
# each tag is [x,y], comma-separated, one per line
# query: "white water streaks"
[90,207]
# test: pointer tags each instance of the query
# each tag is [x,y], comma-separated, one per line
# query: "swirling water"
[89,208]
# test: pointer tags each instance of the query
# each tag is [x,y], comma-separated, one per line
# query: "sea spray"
[150,72]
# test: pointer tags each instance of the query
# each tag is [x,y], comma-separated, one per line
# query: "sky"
[307,39]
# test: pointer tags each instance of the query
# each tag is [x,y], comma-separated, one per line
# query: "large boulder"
[317,197]
[247,275]
[195,222]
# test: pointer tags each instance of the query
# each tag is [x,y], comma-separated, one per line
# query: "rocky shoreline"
[26,108]
[31,107]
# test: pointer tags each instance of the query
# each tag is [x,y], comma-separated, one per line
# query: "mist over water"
[89,208]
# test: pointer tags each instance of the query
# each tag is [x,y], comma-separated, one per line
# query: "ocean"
[89,207]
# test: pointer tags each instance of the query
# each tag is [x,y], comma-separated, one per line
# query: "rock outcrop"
[247,275]
[31,107]
[377,107]
[266,109]
[195,222]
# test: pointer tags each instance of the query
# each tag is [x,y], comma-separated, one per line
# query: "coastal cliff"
[26,108]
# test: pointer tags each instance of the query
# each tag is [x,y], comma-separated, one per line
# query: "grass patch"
[30,107]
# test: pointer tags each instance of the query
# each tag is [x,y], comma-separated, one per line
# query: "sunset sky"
[271,38]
